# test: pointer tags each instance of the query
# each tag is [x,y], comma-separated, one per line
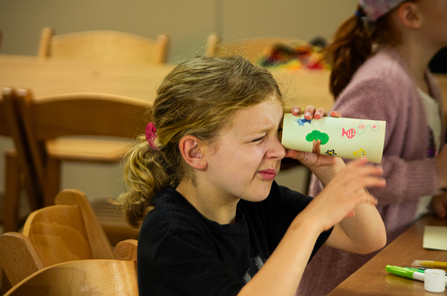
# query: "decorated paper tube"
[340,137]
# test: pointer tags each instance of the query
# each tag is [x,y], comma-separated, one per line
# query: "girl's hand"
[347,189]
[310,159]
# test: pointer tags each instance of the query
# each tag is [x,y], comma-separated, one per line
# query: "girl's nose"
[277,150]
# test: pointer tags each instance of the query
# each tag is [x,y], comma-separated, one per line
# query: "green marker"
[406,273]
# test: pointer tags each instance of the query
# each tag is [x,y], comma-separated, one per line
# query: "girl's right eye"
[258,139]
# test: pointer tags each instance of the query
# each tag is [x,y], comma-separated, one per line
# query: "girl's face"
[247,154]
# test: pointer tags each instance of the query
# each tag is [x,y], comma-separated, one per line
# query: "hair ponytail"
[349,50]
[145,175]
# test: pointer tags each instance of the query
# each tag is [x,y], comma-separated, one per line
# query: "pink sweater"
[383,90]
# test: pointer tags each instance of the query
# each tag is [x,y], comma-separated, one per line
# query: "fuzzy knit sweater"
[382,90]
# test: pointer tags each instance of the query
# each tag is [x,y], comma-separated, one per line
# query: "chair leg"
[34,199]
[53,177]
[12,191]
[6,285]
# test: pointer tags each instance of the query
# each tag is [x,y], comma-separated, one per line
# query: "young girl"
[380,62]
[202,179]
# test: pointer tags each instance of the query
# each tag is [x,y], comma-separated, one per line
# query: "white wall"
[188,23]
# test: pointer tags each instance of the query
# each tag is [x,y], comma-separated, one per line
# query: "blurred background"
[187,23]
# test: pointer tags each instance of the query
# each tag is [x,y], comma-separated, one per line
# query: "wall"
[188,23]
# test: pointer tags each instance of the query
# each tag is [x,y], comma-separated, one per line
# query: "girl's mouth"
[268,174]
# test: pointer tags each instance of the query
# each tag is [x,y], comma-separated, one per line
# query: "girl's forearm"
[282,272]
[365,231]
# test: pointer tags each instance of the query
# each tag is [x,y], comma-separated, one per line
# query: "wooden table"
[53,77]
[50,77]
[372,279]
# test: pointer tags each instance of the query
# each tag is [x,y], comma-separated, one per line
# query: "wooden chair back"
[104,46]
[84,114]
[66,242]
[4,129]
[10,125]
[64,232]
[250,48]
[18,162]
[126,250]
[85,277]
[46,120]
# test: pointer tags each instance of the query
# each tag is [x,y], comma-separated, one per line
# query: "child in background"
[380,60]
[201,182]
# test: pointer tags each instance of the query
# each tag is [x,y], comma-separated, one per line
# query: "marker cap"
[434,280]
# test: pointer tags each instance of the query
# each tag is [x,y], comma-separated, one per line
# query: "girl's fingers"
[360,167]
[358,162]
[319,113]
[364,177]
[296,110]
[357,185]
[358,175]
[350,214]
[335,114]
[291,153]
[366,197]
[309,112]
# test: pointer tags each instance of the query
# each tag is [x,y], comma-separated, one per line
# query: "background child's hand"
[439,203]
[441,167]
[341,195]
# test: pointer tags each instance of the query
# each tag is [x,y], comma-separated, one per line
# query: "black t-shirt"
[180,252]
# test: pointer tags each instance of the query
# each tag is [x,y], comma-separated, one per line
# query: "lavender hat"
[376,8]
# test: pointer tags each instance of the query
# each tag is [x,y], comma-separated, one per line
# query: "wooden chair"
[250,48]
[64,232]
[19,166]
[126,250]
[47,122]
[104,46]
[84,277]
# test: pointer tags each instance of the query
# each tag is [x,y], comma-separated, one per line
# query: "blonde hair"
[197,98]
[353,45]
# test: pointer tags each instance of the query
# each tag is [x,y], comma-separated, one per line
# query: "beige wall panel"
[187,23]
[301,19]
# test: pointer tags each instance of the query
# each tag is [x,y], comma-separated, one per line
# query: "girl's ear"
[191,149]
[409,15]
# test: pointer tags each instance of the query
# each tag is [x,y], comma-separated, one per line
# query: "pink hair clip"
[151,135]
